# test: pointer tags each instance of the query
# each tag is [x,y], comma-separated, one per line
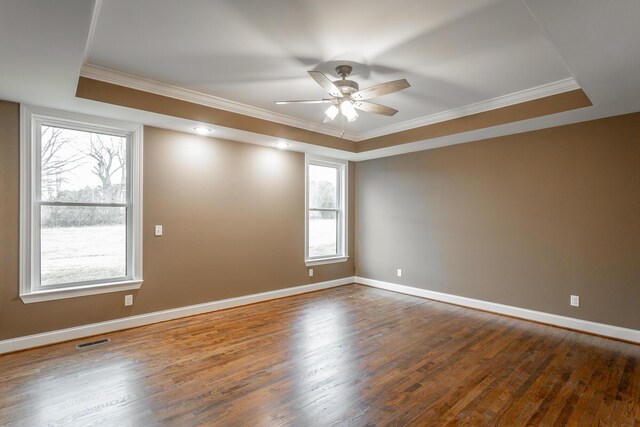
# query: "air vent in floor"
[92,343]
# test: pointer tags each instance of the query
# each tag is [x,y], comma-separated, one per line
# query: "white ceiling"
[599,41]
[453,52]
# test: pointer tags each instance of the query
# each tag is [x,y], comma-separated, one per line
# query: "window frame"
[32,119]
[342,167]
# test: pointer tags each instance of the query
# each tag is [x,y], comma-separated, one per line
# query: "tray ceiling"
[461,57]
[454,53]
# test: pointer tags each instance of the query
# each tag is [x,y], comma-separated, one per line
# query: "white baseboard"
[626,334]
[52,337]
[46,338]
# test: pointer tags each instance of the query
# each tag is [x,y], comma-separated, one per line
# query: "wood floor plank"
[351,355]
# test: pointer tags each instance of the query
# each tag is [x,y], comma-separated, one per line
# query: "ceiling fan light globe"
[346,107]
[332,112]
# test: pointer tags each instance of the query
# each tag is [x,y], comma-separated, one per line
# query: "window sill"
[321,261]
[80,291]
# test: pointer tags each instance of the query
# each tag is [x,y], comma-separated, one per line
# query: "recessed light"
[282,145]
[201,130]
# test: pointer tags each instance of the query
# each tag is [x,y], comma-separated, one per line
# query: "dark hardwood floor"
[351,355]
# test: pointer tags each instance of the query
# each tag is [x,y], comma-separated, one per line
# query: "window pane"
[323,187]
[82,243]
[323,233]
[79,166]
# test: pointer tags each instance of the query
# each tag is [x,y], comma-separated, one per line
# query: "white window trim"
[30,119]
[343,200]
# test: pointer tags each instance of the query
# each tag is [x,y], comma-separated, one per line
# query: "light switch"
[158,230]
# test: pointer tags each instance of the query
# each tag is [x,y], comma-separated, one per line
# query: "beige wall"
[233,217]
[524,220]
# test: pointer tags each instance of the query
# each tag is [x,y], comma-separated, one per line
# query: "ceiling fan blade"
[305,101]
[372,107]
[381,89]
[326,84]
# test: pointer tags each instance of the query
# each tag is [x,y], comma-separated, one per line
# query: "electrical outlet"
[311,272]
[575,300]
[158,230]
[128,300]
[399,272]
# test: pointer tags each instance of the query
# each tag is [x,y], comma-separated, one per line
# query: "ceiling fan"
[347,96]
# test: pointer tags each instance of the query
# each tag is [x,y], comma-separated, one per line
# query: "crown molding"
[107,75]
[119,78]
[543,91]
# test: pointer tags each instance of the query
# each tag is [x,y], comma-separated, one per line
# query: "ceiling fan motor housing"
[347,87]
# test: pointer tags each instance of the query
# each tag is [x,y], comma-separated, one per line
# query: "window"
[80,225]
[326,210]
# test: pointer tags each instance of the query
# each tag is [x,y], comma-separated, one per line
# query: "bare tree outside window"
[53,167]
[109,158]
[83,235]
[323,210]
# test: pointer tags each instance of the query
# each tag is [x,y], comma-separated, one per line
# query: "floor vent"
[92,343]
